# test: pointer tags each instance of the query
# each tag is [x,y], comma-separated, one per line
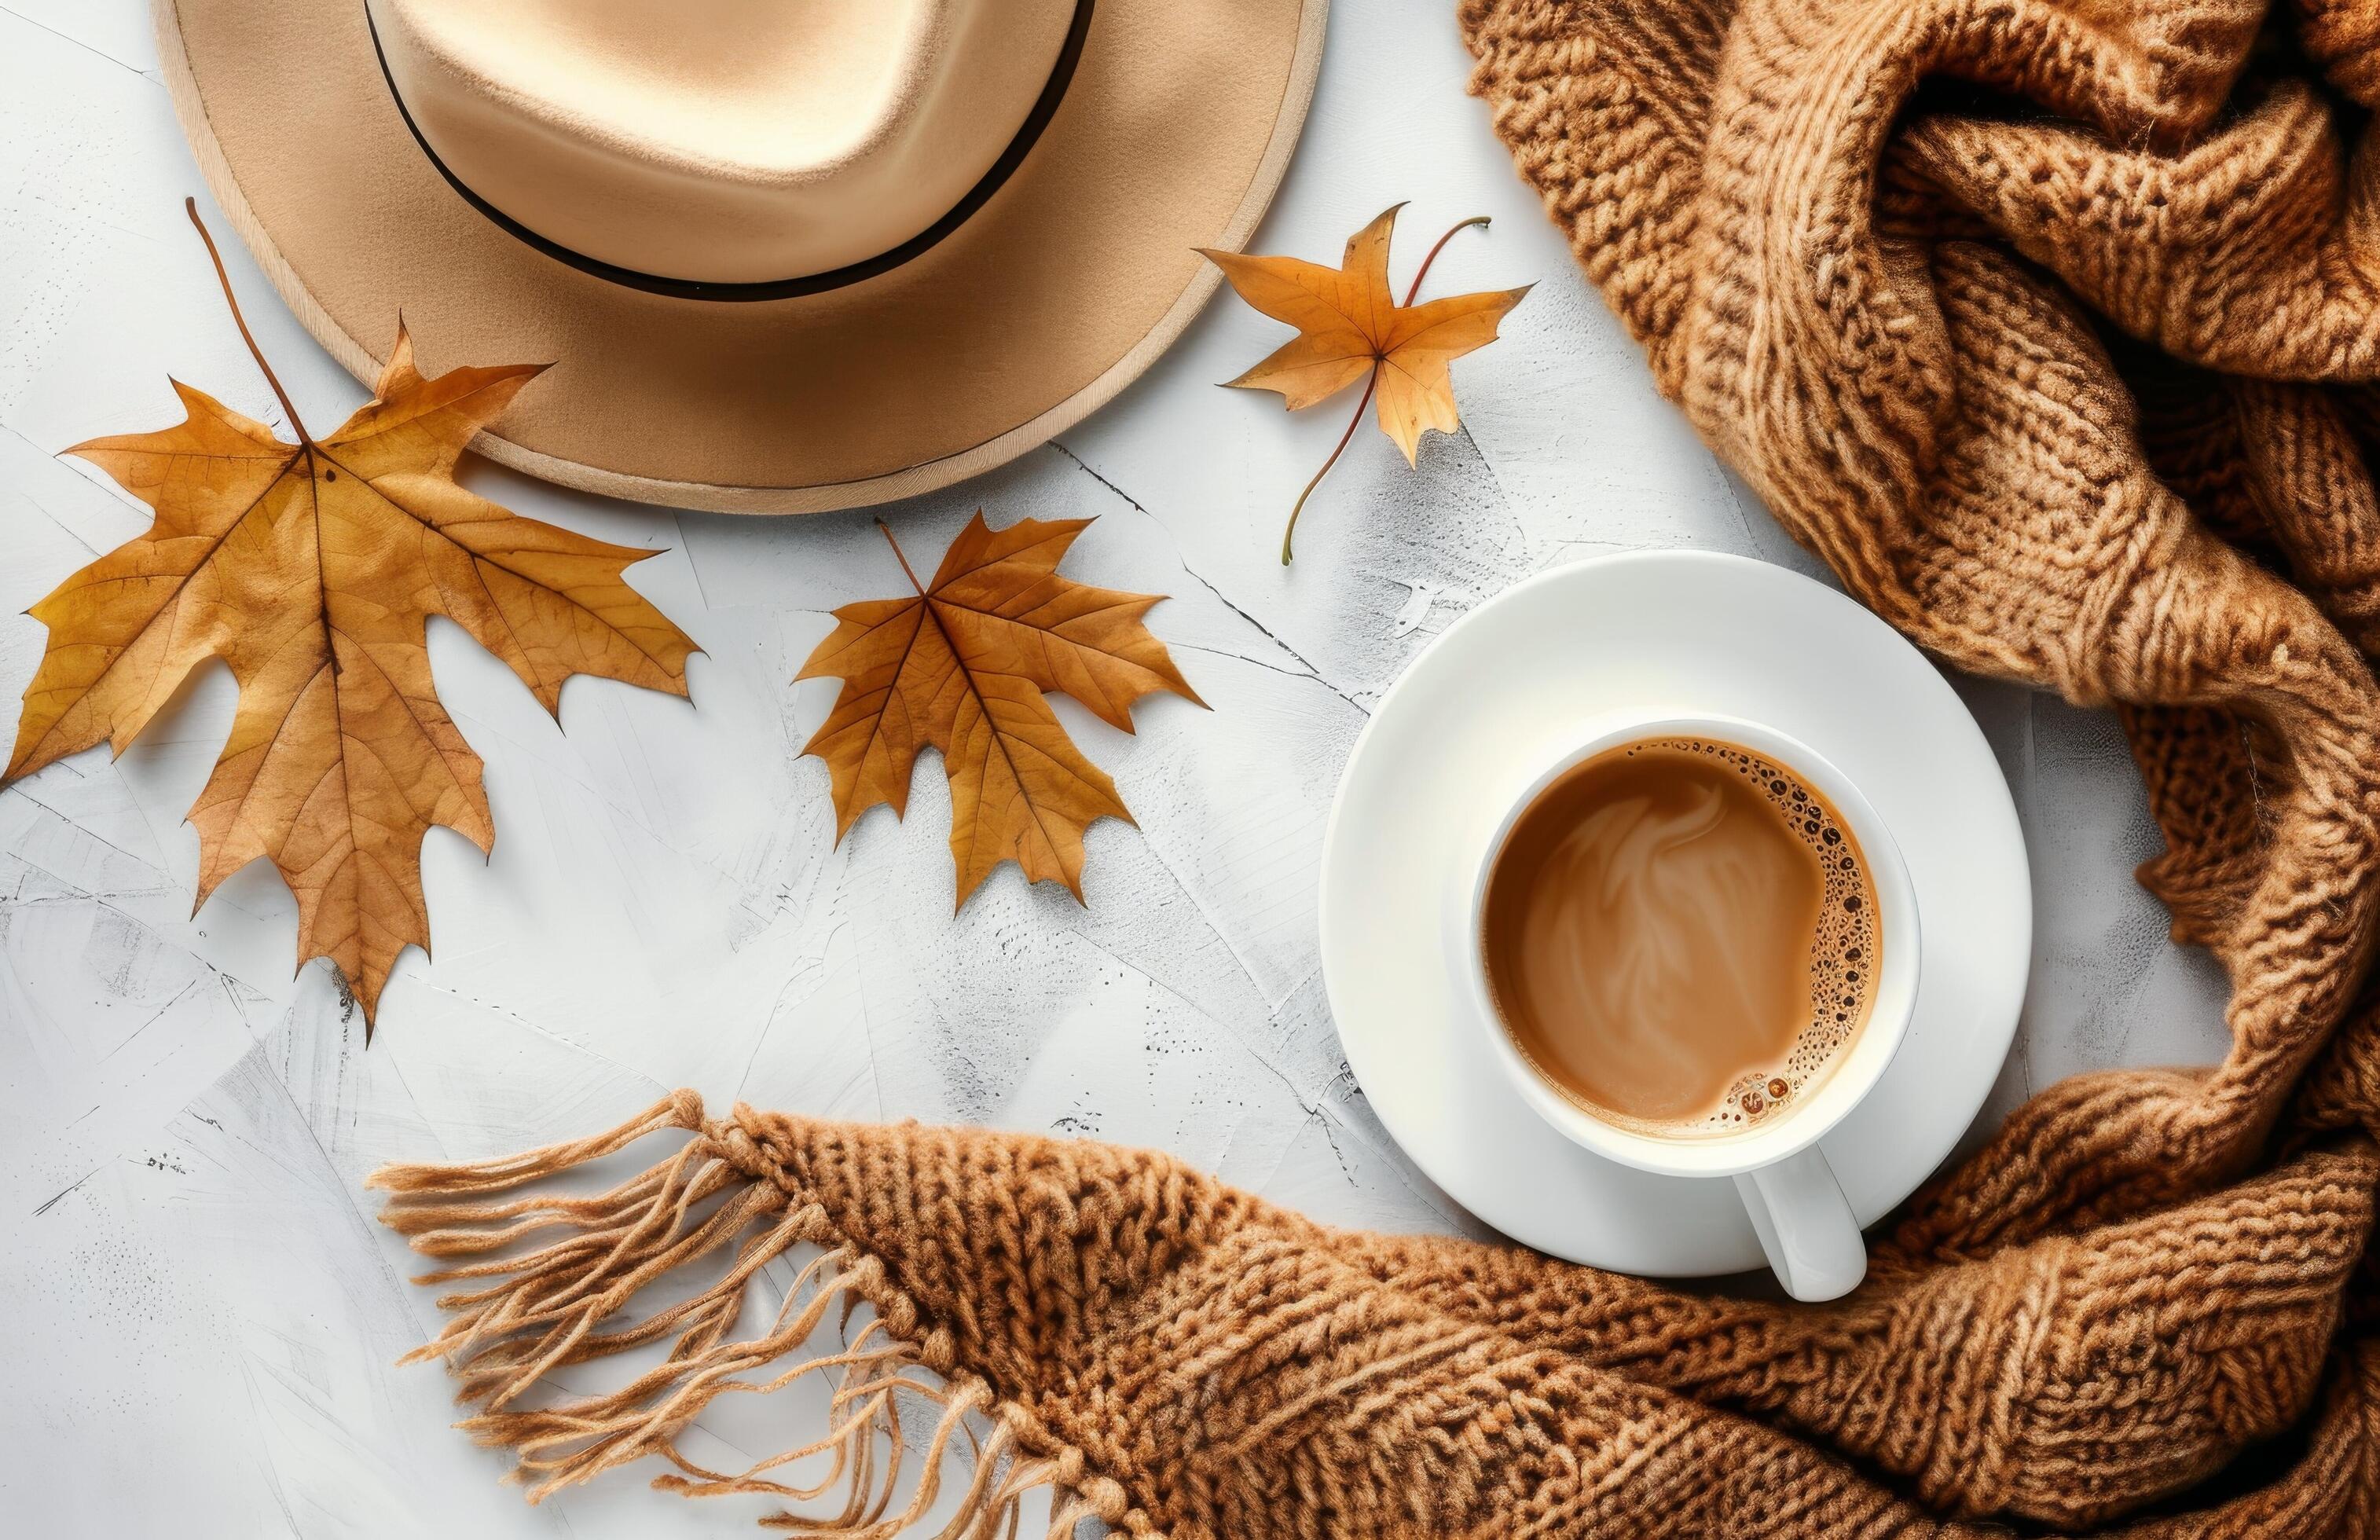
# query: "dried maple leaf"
[312,569]
[1350,327]
[962,665]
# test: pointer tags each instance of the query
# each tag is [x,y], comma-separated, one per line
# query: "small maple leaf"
[1350,327]
[962,664]
[312,569]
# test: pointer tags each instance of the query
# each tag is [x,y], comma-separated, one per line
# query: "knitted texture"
[2048,325]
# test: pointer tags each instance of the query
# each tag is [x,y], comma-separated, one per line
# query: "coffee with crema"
[1681,936]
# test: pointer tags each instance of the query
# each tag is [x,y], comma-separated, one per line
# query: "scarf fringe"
[529,1313]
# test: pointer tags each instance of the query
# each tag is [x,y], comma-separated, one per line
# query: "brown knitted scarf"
[2049,323]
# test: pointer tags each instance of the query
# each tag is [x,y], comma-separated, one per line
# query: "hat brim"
[1173,134]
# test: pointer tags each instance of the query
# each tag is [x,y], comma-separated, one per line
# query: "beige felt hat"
[785,255]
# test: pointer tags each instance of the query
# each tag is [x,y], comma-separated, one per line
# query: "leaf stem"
[1480,220]
[900,557]
[1373,383]
[1290,532]
[297,424]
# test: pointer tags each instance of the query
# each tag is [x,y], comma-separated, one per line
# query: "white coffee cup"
[1805,1225]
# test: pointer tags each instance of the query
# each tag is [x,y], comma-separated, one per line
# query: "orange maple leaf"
[962,665]
[311,569]
[1350,327]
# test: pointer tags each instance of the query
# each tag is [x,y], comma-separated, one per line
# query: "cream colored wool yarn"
[2051,327]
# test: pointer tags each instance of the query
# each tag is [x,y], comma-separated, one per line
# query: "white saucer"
[1514,683]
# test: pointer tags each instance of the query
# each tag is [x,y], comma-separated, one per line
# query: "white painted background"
[196,1319]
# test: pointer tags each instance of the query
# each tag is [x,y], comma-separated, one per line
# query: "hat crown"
[721,140]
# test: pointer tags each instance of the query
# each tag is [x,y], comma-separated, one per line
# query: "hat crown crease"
[721,140]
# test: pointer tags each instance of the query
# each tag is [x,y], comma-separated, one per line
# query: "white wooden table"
[196,1315]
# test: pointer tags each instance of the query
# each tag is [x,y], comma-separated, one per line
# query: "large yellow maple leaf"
[311,569]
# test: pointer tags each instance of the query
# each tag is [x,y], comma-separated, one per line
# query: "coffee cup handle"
[1805,1226]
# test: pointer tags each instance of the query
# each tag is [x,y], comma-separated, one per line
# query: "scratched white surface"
[200,1316]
